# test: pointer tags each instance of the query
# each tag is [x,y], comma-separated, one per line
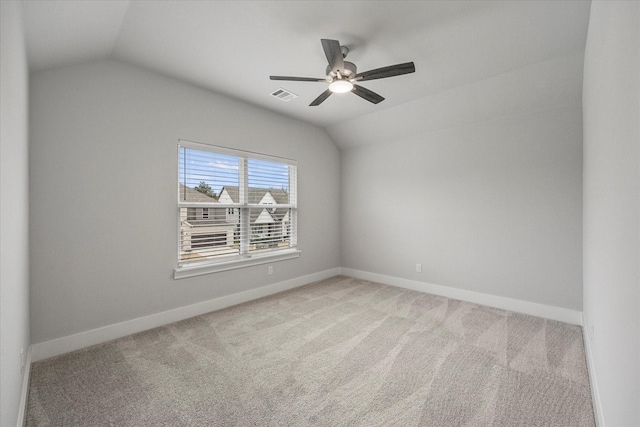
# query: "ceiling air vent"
[284,95]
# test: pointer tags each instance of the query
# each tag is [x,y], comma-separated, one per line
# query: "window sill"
[198,270]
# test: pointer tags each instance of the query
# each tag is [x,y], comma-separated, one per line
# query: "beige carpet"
[339,352]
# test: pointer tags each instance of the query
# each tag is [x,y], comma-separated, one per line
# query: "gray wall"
[611,100]
[103,193]
[14,210]
[494,207]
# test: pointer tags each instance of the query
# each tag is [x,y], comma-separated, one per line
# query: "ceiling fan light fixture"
[341,86]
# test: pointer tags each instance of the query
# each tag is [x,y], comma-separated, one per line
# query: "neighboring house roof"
[280,196]
[192,195]
[232,192]
[279,214]
[257,194]
[276,214]
[188,194]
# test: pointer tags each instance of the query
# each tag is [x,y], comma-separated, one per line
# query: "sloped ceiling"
[475,60]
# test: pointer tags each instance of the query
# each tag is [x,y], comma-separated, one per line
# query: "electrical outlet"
[270,270]
[419,268]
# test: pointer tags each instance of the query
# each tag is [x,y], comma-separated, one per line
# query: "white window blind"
[233,205]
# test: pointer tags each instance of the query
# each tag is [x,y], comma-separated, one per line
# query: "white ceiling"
[474,59]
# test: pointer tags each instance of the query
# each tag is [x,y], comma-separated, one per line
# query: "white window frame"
[245,259]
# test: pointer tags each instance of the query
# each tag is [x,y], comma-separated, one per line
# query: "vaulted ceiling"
[475,60]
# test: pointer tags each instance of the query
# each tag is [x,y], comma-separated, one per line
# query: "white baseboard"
[593,382]
[59,346]
[22,410]
[531,308]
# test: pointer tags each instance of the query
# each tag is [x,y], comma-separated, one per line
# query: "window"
[191,214]
[235,209]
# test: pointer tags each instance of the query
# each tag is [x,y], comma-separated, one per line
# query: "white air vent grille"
[284,95]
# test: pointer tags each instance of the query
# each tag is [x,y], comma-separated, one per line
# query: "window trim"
[235,263]
[242,260]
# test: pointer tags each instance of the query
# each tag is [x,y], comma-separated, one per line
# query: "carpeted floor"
[339,352]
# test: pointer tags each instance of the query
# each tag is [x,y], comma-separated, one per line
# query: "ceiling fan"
[342,75]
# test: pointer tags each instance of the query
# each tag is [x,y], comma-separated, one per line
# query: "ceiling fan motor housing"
[349,71]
